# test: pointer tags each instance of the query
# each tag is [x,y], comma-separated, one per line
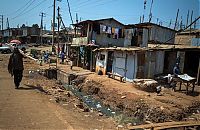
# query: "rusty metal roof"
[98,20]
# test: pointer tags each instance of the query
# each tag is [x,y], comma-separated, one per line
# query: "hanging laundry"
[104,28]
[113,30]
[116,33]
[122,33]
[101,28]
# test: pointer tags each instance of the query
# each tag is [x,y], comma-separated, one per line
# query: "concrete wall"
[162,35]
[63,77]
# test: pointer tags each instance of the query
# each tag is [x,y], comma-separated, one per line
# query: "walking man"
[16,67]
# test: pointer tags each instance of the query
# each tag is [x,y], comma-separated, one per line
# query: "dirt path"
[27,108]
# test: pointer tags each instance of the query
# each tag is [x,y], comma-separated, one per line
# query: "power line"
[30,9]
[24,9]
[20,8]
[84,3]
[95,5]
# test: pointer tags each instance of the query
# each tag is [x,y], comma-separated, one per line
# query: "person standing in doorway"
[16,67]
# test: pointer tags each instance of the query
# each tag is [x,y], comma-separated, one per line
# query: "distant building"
[11,33]
[30,34]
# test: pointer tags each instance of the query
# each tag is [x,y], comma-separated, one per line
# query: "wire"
[29,10]
[24,9]
[70,11]
[20,8]
[100,4]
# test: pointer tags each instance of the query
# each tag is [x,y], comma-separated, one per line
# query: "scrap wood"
[165,125]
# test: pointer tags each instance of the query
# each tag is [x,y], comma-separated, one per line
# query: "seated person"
[176,70]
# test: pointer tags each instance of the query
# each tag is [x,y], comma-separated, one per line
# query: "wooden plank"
[165,125]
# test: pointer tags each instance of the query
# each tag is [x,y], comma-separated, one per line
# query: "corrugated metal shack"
[93,34]
[138,62]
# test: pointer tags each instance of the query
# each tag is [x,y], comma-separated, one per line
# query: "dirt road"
[27,108]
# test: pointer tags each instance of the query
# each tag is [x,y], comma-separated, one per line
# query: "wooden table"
[190,82]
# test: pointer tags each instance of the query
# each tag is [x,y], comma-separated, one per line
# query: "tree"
[35,26]
[23,25]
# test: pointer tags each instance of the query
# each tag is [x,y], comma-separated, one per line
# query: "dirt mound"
[157,109]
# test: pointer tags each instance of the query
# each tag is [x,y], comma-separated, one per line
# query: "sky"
[28,12]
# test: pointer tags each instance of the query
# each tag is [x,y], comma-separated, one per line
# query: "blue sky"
[126,11]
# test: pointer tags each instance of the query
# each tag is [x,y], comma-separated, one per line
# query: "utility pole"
[41,26]
[58,26]
[176,19]
[53,26]
[76,17]
[76,23]
[8,26]
[1,22]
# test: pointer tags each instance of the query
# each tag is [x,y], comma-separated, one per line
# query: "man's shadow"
[31,87]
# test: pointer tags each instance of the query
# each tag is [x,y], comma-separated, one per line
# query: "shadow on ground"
[31,87]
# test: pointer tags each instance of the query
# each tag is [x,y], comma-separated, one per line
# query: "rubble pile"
[148,85]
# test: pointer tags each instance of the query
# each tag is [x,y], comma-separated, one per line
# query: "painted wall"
[125,64]
[131,66]
[101,64]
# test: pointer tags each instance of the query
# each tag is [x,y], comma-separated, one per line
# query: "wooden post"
[198,74]
[176,19]
[191,21]
[187,18]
